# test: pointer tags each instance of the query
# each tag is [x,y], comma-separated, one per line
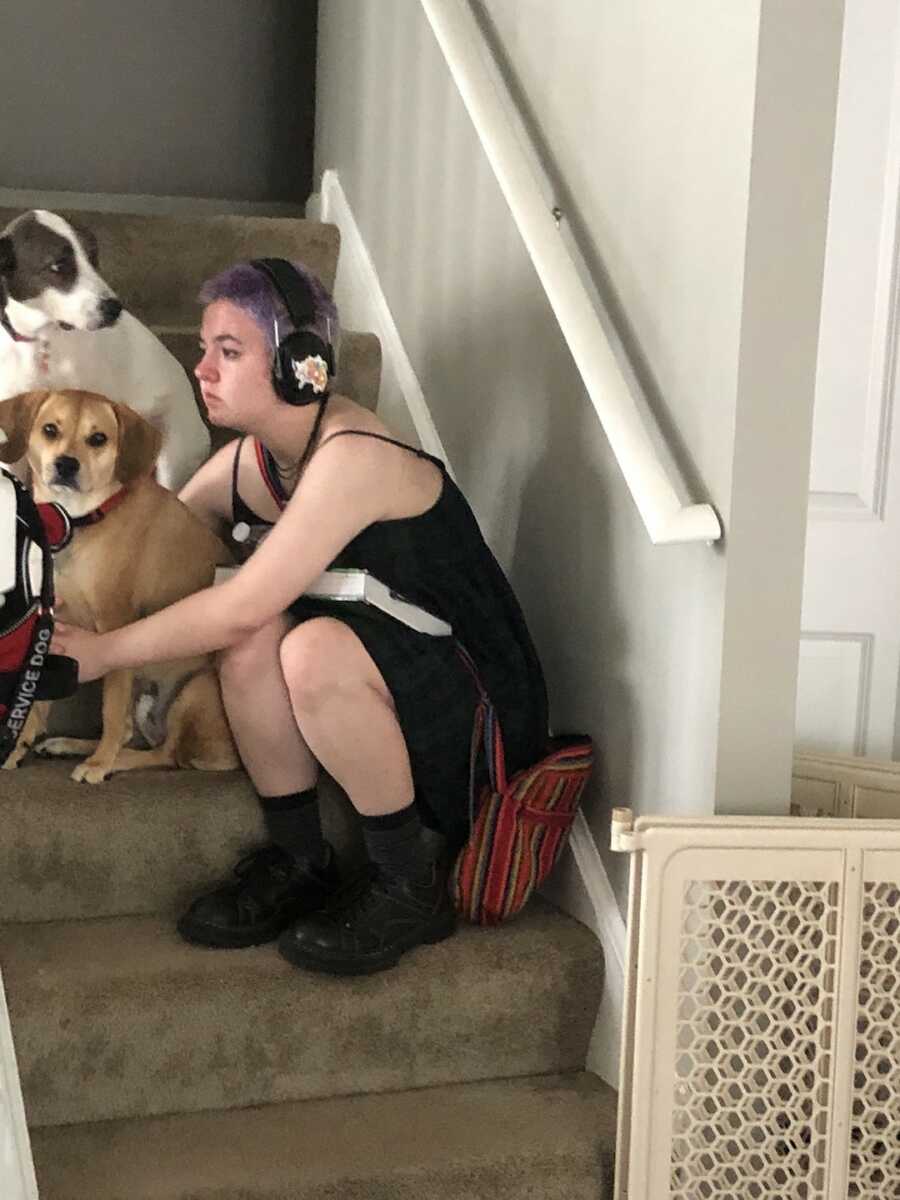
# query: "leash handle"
[42,632]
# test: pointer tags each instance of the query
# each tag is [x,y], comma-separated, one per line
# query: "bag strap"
[486,729]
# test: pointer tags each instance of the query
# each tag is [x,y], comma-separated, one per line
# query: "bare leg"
[256,699]
[346,715]
[349,720]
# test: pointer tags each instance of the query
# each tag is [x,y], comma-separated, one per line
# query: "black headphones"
[303,363]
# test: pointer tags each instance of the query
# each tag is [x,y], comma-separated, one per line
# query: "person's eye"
[230,353]
[97,439]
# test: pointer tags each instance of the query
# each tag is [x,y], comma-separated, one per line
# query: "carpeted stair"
[152,1070]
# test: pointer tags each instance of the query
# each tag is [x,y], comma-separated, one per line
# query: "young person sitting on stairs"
[386,710]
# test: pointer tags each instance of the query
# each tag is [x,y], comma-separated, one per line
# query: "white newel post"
[17,1181]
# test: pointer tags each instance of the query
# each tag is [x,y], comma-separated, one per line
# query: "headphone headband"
[290,287]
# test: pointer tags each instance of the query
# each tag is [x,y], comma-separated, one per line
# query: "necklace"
[292,473]
[288,472]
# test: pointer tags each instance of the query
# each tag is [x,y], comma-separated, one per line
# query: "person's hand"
[82,645]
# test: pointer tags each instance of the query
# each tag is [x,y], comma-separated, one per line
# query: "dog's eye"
[56,267]
[50,431]
[97,439]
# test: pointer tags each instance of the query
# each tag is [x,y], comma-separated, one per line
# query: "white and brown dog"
[62,326]
[127,548]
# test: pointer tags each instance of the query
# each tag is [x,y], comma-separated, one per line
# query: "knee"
[242,662]
[316,659]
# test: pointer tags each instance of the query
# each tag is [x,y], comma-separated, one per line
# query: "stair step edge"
[92,1003]
[426,1144]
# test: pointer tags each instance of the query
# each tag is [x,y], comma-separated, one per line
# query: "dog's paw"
[59,747]
[15,758]
[88,772]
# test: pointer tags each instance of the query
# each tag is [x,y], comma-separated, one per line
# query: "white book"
[350,584]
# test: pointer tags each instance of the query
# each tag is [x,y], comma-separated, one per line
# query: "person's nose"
[205,370]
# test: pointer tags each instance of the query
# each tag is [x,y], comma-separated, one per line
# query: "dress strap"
[234,479]
[381,438]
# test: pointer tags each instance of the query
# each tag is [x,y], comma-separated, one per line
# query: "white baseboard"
[362,305]
[314,207]
[17,1180]
[186,206]
[604,918]
[580,885]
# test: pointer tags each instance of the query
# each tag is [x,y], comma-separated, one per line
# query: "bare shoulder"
[344,414]
[405,483]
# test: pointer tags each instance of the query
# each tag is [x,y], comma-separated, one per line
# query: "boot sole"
[220,939]
[298,957]
[224,939]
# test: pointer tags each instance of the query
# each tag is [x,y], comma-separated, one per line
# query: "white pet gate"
[761,1051]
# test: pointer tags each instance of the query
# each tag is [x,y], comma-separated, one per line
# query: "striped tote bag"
[519,826]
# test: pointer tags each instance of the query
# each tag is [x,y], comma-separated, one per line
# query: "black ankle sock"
[396,846]
[293,824]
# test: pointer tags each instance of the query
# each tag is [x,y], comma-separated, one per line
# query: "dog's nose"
[110,308]
[67,466]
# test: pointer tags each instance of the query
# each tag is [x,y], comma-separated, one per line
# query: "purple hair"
[250,290]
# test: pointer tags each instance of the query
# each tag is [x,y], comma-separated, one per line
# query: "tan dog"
[144,552]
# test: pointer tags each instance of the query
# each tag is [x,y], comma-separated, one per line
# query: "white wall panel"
[852,569]
[832,693]
[853,397]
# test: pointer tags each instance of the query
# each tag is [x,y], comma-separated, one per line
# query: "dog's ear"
[17,416]
[88,241]
[139,445]
[7,256]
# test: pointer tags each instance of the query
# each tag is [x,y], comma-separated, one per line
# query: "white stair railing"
[489,103]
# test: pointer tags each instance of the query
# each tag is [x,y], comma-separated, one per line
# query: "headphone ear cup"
[302,368]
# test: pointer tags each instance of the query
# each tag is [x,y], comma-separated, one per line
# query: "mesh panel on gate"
[875,1133]
[754,1010]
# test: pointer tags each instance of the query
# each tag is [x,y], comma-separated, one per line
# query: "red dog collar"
[59,525]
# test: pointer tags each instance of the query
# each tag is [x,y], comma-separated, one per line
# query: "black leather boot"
[371,925]
[270,891]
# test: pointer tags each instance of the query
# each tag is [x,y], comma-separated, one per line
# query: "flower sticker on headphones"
[312,371]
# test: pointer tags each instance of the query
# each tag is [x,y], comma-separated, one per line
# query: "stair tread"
[119,1017]
[140,842]
[59,953]
[462,1141]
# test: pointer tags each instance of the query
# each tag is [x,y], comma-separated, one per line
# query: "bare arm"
[341,493]
[208,492]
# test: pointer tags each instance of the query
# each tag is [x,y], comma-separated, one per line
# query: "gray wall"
[209,98]
[681,661]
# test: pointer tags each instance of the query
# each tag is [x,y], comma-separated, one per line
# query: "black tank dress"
[440,561]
